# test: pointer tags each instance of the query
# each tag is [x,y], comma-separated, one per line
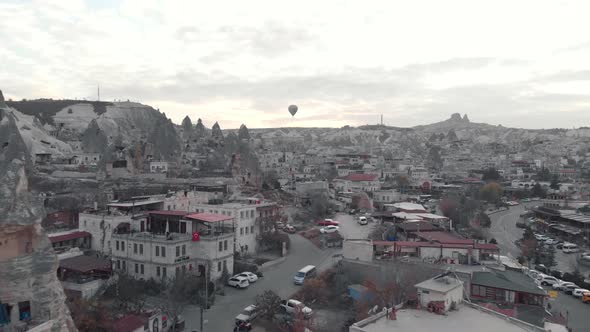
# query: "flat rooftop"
[466,319]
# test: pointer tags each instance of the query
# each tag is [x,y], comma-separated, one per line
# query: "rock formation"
[200,129]
[27,261]
[243,133]
[2,102]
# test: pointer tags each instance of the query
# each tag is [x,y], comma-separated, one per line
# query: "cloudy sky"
[515,63]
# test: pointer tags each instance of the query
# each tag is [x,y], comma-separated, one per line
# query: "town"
[163,227]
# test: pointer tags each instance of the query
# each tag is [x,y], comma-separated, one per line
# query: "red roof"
[361,177]
[68,236]
[209,217]
[169,213]
[444,237]
[128,323]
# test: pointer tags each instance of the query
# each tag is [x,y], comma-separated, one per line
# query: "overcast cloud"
[515,63]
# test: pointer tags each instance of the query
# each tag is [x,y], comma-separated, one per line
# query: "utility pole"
[206,295]
[98,91]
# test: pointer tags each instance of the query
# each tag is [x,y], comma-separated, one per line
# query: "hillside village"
[402,227]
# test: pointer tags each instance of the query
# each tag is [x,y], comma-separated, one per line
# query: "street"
[504,230]
[278,278]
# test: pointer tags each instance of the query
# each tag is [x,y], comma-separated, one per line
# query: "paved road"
[572,308]
[278,278]
[504,230]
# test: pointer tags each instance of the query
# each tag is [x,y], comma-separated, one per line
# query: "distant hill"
[46,109]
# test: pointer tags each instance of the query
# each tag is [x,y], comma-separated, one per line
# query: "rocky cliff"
[27,262]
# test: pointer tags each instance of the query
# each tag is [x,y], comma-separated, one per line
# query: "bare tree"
[182,290]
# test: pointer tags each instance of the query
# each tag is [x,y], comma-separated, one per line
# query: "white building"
[445,288]
[245,222]
[175,243]
[159,166]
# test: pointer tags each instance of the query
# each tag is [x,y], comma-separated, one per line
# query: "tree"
[402,182]
[183,290]
[490,174]
[315,290]
[491,192]
[129,293]
[544,175]
[320,205]
[547,256]
[538,191]
[90,315]
[493,241]
[554,182]
[448,206]
[484,220]
[268,304]
[528,248]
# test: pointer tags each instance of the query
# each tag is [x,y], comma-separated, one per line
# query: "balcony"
[217,233]
[155,238]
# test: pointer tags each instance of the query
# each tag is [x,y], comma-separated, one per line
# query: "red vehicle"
[328,222]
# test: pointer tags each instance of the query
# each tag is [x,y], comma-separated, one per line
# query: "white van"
[363,220]
[306,272]
[569,248]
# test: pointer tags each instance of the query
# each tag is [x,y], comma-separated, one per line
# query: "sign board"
[553,294]
[196,236]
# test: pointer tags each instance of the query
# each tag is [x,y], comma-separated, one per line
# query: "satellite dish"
[293,110]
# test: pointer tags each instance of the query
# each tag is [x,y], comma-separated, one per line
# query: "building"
[127,214]
[82,276]
[175,242]
[244,216]
[159,166]
[406,207]
[63,241]
[445,288]
[507,287]
[467,318]
[360,182]
[450,253]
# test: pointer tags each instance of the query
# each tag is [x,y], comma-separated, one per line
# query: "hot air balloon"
[293,109]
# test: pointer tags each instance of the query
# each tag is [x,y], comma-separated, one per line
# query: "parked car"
[551,241]
[248,275]
[541,237]
[520,224]
[548,280]
[328,222]
[559,245]
[586,297]
[542,268]
[238,282]
[568,289]
[570,248]
[562,285]
[557,274]
[293,306]
[578,292]
[289,229]
[280,225]
[248,314]
[329,229]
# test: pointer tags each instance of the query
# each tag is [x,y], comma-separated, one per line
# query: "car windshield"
[300,274]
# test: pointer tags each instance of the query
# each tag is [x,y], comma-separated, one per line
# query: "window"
[124,266]
[225,245]
[183,249]
[177,251]
[220,246]
[241,230]
[163,272]
[241,214]
[117,245]
[163,251]
[123,245]
[247,230]
[135,248]
[252,214]
[141,249]
[225,264]
[136,268]
[157,251]
[252,229]
[218,266]
[141,268]
[118,264]
[157,271]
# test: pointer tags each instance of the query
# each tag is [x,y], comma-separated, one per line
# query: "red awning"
[68,236]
